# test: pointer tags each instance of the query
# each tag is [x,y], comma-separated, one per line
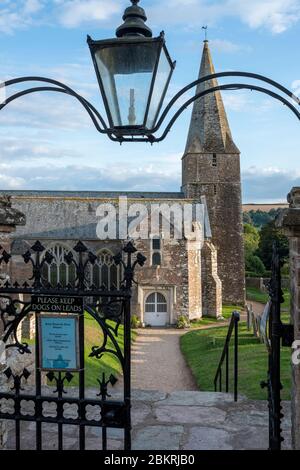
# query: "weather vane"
[205,29]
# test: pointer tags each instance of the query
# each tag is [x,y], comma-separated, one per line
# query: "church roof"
[209,128]
[92,194]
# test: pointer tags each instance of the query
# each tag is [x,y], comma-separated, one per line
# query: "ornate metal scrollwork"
[34,257]
[108,307]
[12,313]
[129,267]
[17,379]
[81,264]
[104,386]
[60,380]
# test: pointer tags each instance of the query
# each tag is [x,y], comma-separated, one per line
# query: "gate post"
[289,220]
[9,219]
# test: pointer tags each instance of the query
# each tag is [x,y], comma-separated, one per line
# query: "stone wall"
[9,219]
[211,282]
[289,219]
[67,219]
[261,282]
[220,183]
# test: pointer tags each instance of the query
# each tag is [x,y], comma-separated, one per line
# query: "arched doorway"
[156,310]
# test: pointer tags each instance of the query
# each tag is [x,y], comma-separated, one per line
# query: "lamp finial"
[134,22]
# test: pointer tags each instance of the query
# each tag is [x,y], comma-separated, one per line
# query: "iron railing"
[218,381]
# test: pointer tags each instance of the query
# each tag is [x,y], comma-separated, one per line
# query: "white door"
[156,310]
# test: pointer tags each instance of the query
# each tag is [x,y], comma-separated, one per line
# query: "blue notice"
[58,337]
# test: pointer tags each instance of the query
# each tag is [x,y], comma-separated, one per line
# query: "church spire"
[209,129]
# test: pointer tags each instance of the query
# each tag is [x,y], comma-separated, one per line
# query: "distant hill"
[263,207]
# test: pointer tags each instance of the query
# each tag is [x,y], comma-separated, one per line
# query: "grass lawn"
[202,350]
[94,368]
[257,296]
[226,312]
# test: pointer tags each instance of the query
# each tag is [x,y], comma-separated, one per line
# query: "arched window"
[59,272]
[156,303]
[156,251]
[105,272]
[156,259]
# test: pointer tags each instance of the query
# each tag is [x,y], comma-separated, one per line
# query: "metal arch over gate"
[109,308]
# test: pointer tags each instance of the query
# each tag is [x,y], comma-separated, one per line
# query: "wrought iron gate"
[108,308]
[278,334]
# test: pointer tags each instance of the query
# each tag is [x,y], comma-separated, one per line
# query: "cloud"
[76,12]
[274,15]
[236,101]
[80,177]
[19,15]
[268,184]
[32,150]
[225,46]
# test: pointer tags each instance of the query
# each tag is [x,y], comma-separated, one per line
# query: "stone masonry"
[9,219]
[64,218]
[175,421]
[211,283]
[211,168]
[289,220]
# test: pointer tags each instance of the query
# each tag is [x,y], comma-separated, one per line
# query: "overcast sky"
[48,142]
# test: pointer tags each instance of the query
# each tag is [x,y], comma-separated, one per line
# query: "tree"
[247,218]
[268,235]
[255,265]
[251,239]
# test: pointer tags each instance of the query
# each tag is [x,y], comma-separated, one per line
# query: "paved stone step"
[174,421]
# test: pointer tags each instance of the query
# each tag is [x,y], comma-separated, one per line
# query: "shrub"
[285,271]
[183,322]
[251,274]
[254,264]
[135,322]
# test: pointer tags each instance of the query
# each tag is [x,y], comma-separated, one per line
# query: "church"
[180,278]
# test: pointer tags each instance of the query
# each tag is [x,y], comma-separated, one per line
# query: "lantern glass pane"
[126,72]
[164,71]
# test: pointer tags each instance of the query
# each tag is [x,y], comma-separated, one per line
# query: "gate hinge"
[287,335]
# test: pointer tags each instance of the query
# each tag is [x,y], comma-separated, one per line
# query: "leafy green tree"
[259,218]
[251,239]
[255,265]
[247,218]
[268,235]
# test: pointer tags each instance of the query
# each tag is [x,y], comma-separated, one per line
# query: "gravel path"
[157,362]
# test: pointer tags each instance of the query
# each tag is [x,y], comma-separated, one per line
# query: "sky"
[49,143]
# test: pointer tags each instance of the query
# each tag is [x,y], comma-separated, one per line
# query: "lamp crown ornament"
[134,22]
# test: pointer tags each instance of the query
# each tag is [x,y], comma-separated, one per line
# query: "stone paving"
[181,420]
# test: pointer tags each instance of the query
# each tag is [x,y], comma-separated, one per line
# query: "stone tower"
[211,168]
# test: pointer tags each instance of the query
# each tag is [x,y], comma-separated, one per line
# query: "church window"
[59,271]
[105,272]
[156,244]
[156,252]
[214,160]
[156,259]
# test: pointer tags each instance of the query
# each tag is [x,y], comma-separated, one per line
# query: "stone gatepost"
[9,219]
[289,220]
[211,282]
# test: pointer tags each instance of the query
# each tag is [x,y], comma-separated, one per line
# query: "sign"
[58,340]
[56,304]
